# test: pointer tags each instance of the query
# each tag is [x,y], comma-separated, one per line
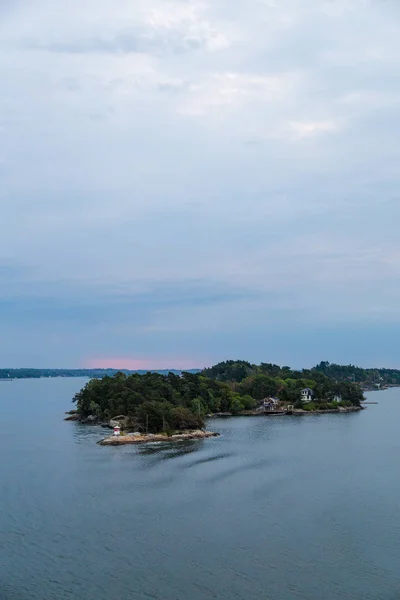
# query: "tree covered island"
[174,403]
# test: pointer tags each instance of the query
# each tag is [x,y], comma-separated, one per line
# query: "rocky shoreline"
[341,409]
[121,440]
[121,420]
[284,413]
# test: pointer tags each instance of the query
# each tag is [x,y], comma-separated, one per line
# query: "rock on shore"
[120,440]
[120,421]
[72,417]
[341,409]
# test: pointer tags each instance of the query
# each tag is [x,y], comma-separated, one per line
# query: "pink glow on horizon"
[136,364]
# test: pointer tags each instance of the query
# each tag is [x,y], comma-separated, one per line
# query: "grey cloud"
[196,174]
[73,84]
[159,43]
[84,305]
[173,86]
[6,6]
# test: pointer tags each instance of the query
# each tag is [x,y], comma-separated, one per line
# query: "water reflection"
[282,508]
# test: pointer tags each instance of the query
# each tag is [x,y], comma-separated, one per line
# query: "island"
[175,407]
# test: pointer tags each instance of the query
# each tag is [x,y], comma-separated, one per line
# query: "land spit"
[120,440]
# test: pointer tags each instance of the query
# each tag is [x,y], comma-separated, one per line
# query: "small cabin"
[270,403]
[307,395]
[117,430]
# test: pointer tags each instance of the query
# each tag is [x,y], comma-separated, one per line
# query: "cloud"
[304,129]
[159,28]
[159,43]
[233,90]
[86,303]
[186,175]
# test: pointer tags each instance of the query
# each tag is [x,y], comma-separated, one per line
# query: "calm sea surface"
[284,508]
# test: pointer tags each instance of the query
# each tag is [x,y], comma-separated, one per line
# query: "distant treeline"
[37,373]
[232,371]
[370,377]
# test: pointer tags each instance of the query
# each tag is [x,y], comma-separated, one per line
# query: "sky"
[187,181]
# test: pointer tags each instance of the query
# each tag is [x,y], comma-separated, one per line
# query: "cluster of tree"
[289,390]
[159,402]
[365,377]
[260,381]
[234,371]
[38,373]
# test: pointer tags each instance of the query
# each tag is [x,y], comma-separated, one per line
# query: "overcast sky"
[187,181]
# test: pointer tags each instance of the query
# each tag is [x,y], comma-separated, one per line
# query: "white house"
[307,395]
[270,402]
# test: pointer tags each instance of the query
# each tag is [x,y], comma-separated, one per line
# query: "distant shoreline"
[14,374]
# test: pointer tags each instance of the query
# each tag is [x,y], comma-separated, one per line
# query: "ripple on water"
[286,509]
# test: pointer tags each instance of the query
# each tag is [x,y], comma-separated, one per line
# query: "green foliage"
[158,402]
[230,370]
[236,405]
[268,379]
[310,406]
[154,416]
[344,404]
[168,402]
[367,377]
[248,402]
[183,418]
[259,386]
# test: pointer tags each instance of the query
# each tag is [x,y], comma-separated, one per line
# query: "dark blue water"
[281,508]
